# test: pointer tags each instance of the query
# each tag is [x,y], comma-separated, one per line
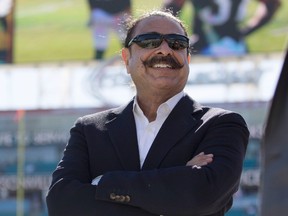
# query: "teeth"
[162,66]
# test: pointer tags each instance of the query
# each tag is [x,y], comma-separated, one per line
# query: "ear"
[189,58]
[125,56]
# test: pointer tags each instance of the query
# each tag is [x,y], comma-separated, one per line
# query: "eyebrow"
[153,32]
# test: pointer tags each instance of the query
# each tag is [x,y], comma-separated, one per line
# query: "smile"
[162,66]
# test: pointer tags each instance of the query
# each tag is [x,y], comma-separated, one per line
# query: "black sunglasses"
[154,40]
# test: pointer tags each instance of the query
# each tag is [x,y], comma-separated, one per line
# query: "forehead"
[163,25]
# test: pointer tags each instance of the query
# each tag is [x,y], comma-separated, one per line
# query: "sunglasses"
[154,40]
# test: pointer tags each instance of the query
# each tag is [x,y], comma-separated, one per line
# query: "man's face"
[149,70]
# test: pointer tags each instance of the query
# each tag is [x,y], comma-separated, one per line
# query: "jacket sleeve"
[178,190]
[182,190]
[71,192]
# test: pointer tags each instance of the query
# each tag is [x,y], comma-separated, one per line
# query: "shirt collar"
[170,103]
[174,100]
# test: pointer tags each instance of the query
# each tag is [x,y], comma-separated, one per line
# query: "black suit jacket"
[105,144]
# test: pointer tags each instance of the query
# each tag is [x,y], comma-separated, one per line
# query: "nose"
[164,48]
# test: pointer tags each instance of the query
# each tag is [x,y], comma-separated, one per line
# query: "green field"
[57,30]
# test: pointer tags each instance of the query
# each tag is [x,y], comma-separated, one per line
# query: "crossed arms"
[169,190]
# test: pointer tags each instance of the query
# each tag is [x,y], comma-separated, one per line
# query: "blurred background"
[51,73]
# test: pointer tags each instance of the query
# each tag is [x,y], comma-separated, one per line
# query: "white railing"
[94,84]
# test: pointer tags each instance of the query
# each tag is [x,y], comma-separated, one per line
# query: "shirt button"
[117,198]
[113,196]
[127,199]
[121,199]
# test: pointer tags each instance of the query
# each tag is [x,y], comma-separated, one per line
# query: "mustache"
[174,63]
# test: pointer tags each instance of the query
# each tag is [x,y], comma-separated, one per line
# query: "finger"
[200,160]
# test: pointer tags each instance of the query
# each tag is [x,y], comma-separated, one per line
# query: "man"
[216,24]
[138,156]
[107,16]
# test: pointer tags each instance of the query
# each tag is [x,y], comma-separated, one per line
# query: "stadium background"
[53,51]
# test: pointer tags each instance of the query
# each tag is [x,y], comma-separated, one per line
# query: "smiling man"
[162,153]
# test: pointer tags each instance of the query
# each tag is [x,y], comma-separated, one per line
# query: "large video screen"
[49,31]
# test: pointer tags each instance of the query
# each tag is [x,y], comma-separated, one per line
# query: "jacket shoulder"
[104,116]
[222,114]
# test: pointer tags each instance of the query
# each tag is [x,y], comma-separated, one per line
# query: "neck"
[149,105]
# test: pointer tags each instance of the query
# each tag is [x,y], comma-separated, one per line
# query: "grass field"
[57,30]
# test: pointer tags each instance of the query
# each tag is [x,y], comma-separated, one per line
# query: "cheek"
[135,68]
[185,58]
[136,63]
[185,71]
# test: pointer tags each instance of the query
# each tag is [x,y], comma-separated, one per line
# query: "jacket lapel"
[122,131]
[178,124]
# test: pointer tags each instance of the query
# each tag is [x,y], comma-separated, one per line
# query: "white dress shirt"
[147,131]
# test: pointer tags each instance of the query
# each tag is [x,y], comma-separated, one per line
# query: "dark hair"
[133,23]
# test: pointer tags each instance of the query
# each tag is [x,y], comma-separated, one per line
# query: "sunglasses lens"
[177,42]
[150,41]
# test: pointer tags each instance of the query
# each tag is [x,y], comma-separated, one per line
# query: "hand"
[200,160]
